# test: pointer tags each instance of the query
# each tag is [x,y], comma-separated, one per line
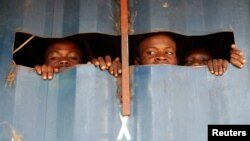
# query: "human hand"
[217,66]
[46,71]
[237,57]
[114,67]
[102,63]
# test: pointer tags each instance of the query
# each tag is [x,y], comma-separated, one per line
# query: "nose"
[161,58]
[64,63]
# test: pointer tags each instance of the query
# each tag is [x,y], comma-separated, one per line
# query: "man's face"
[197,57]
[63,54]
[157,49]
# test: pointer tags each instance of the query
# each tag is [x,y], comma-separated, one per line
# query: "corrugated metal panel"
[60,18]
[52,18]
[55,18]
[193,17]
[188,17]
[174,103]
[80,104]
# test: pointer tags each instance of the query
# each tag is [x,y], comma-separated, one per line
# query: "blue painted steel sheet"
[78,104]
[193,17]
[60,18]
[54,18]
[189,17]
[169,103]
[182,109]
[174,103]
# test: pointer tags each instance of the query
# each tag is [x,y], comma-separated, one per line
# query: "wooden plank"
[125,59]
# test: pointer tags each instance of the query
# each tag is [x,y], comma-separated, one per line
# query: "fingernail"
[212,72]
[97,63]
[50,77]
[116,75]
[120,71]
[112,72]
[216,73]
[103,67]
[108,64]
[244,61]
[44,77]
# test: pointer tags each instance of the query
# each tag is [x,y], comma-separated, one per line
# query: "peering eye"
[151,52]
[73,56]
[169,53]
[52,58]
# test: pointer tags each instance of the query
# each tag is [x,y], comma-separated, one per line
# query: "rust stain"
[9,132]
[11,76]
[112,17]
[131,20]
[10,79]
[27,3]
[16,136]
[165,5]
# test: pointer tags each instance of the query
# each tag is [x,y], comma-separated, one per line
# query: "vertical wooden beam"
[125,59]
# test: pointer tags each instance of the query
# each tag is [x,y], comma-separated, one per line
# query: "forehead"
[63,46]
[156,40]
[199,52]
